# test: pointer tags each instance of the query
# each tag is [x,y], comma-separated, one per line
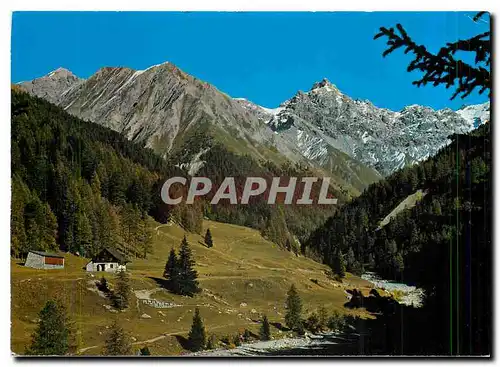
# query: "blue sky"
[265,57]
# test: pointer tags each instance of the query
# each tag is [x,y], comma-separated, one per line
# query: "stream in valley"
[352,343]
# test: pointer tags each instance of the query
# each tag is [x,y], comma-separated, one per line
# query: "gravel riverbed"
[264,347]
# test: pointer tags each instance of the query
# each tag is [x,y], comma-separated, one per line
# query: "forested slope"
[79,187]
[442,244]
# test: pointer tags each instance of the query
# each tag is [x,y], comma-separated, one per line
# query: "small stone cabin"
[108,260]
[44,260]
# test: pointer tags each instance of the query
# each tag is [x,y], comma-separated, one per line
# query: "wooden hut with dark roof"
[109,260]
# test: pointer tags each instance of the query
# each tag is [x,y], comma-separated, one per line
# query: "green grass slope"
[243,277]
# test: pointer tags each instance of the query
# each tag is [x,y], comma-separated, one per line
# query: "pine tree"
[398,263]
[130,218]
[117,342]
[208,239]
[121,294]
[265,329]
[293,317]
[339,263]
[188,285]
[197,336]
[446,67]
[52,335]
[48,223]
[171,272]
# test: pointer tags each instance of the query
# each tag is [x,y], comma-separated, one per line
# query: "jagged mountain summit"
[324,118]
[156,107]
[54,86]
[162,107]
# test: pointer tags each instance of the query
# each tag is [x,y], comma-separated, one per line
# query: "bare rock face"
[158,107]
[161,107]
[53,86]
[262,113]
[386,140]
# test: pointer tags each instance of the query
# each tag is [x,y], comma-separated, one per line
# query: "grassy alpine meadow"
[243,276]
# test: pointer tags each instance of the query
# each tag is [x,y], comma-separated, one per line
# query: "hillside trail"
[160,337]
[169,224]
[224,254]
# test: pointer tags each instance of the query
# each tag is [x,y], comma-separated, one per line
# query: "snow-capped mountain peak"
[476,114]
[386,140]
[264,114]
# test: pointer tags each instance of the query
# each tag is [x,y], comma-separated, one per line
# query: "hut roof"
[46,254]
[117,255]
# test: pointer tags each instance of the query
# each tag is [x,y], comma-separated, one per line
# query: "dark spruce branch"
[444,68]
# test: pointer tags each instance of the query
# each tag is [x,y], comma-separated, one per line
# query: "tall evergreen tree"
[197,336]
[40,225]
[117,341]
[52,335]
[144,237]
[188,285]
[208,239]
[339,265]
[171,272]
[20,197]
[121,293]
[265,329]
[83,233]
[293,317]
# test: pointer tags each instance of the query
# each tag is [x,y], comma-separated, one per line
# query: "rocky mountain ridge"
[161,106]
[325,118]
